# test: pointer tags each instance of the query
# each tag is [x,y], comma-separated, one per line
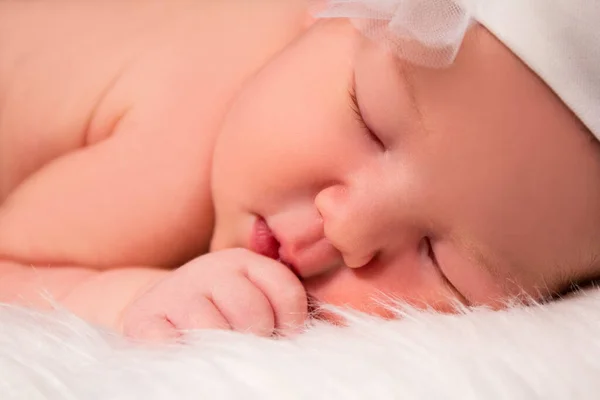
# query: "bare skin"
[128,153]
[133,109]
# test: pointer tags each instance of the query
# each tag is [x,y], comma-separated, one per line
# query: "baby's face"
[472,183]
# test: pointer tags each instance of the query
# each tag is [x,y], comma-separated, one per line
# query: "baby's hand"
[230,289]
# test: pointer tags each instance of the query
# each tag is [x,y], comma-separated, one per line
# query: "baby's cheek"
[473,280]
[372,290]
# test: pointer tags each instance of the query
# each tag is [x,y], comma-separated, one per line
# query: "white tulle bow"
[423,32]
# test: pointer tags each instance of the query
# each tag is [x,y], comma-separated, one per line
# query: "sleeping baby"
[168,165]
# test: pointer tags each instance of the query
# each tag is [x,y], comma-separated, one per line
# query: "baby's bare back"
[108,112]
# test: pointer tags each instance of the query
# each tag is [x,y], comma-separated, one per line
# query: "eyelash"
[355,107]
[430,252]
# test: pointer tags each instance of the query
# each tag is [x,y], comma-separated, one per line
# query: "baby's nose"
[358,223]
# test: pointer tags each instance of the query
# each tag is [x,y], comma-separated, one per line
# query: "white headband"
[558,39]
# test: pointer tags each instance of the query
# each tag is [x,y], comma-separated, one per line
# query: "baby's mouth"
[264,242]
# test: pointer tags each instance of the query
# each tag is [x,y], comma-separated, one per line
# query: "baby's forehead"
[557,39]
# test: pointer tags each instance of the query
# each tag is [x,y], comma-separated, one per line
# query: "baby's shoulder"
[70,71]
[59,60]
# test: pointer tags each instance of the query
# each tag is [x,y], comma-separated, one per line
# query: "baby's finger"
[200,312]
[149,328]
[285,293]
[245,306]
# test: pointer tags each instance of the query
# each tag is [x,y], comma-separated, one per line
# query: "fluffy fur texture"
[541,352]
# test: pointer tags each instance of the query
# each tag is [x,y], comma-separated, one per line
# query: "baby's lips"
[263,241]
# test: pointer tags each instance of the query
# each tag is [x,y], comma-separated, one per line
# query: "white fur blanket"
[545,352]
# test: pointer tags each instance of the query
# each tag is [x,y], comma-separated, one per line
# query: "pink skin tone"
[481,159]
[472,184]
[232,289]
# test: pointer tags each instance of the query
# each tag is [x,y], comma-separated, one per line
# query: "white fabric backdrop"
[545,352]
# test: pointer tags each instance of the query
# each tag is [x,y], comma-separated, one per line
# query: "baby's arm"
[138,198]
[99,297]
[231,289]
